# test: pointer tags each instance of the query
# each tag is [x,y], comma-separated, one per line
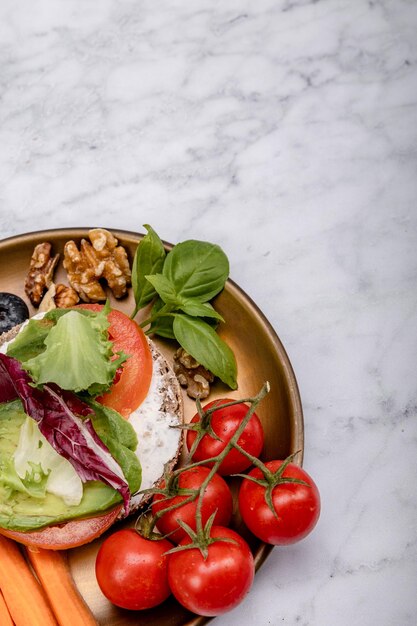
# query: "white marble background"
[285,131]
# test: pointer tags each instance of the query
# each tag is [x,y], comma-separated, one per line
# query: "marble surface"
[286,132]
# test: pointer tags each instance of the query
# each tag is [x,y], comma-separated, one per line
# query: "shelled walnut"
[58,297]
[192,375]
[65,297]
[101,259]
[41,271]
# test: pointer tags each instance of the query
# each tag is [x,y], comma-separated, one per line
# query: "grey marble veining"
[286,131]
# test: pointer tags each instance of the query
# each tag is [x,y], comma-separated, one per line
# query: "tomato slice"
[69,535]
[132,386]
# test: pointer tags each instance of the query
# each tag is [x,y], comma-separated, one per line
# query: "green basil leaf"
[203,343]
[149,259]
[164,288]
[121,439]
[191,306]
[197,269]
[75,353]
[199,309]
[162,326]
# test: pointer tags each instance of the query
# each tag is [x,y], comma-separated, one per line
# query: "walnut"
[41,271]
[58,297]
[192,375]
[65,297]
[48,301]
[117,272]
[82,273]
[103,241]
[100,259]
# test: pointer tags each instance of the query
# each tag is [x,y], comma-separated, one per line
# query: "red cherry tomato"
[224,423]
[214,585]
[217,497]
[297,506]
[132,571]
[132,385]
[74,533]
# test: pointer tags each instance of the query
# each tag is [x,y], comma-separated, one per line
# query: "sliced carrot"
[51,567]
[23,594]
[5,619]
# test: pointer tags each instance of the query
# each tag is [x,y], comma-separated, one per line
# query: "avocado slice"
[26,507]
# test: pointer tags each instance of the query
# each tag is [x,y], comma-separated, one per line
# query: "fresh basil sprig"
[198,269]
[149,259]
[203,343]
[161,325]
[181,283]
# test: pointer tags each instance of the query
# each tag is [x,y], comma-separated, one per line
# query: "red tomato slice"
[69,535]
[132,386]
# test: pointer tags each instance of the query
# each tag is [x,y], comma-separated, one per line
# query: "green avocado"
[24,504]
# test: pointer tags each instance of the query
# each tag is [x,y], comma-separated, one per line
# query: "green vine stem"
[164,310]
[203,427]
[200,538]
[270,479]
[233,441]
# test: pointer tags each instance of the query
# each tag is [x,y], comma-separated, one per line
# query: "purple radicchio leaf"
[56,412]
[7,388]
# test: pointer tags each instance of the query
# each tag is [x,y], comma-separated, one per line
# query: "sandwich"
[90,418]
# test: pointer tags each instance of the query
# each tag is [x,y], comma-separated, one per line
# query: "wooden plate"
[260,356]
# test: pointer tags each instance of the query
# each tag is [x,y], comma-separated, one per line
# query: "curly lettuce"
[70,349]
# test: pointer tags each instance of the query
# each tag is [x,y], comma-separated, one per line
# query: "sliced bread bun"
[9,335]
[156,423]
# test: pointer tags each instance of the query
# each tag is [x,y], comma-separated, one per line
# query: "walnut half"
[58,297]
[99,258]
[41,271]
[192,375]
[65,297]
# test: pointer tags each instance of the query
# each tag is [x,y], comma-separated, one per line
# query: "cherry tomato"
[74,533]
[132,385]
[224,423]
[297,506]
[132,571]
[214,585]
[217,497]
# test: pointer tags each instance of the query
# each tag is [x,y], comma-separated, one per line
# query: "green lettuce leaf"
[70,349]
[34,483]
[26,504]
[35,459]
[120,438]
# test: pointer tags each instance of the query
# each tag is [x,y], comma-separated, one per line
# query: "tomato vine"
[200,538]
[278,501]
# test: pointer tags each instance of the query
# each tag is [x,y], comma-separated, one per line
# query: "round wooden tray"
[260,356]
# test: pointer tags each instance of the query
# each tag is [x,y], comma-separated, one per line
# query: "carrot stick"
[5,619]
[23,594]
[51,567]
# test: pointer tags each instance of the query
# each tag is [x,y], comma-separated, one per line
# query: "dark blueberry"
[13,311]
